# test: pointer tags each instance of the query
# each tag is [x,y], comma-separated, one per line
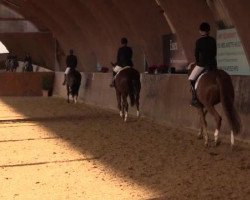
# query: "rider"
[71,62]
[28,58]
[28,63]
[205,55]
[124,58]
[15,63]
[8,62]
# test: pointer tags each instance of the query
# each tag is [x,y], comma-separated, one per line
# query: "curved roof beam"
[187,20]
[94,28]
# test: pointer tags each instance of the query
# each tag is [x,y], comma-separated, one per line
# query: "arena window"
[3,49]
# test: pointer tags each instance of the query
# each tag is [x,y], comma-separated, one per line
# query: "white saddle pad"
[198,80]
[118,69]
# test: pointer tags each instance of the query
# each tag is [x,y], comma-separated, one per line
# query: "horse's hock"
[23,84]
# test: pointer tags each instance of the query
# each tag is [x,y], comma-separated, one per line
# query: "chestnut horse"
[216,87]
[127,83]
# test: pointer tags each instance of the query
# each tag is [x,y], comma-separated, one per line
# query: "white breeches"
[117,68]
[67,70]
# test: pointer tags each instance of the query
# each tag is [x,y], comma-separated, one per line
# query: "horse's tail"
[77,82]
[134,90]
[74,82]
[227,100]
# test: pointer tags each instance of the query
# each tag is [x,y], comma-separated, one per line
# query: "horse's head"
[190,67]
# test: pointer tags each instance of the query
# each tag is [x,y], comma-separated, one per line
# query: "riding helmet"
[124,40]
[205,27]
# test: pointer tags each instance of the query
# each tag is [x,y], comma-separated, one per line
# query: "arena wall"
[164,98]
[23,84]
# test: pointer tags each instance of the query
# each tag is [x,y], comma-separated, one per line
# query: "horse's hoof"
[121,115]
[232,147]
[199,136]
[217,143]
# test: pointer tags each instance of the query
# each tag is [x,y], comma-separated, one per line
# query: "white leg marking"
[138,113]
[206,138]
[232,138]
[200,134]
[120,113]
[75,99]
[216,133]
[126,116]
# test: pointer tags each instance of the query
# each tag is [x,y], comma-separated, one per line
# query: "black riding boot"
[112,84]
[195,102]
[64,82]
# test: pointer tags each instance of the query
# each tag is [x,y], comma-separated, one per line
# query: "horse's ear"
[112,64]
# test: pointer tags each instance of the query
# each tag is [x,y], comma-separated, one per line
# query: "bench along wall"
[164,98]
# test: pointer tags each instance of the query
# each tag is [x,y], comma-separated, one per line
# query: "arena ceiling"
[93,28]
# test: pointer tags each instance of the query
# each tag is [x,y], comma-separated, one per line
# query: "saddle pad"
[122,69]
[199,78]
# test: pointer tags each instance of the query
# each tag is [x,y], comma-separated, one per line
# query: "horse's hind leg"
[202,114]
[136,93]
[68,93]
[76,91]
[203,121]
[232,139]
[75,98]
[137,106]
[137,102]
[125,107]
[119,103]
[217,118]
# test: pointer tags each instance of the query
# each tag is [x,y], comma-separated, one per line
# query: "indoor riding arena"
[83,149]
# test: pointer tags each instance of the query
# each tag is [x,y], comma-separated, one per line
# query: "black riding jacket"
[205,52]
[71,61]
[124,57]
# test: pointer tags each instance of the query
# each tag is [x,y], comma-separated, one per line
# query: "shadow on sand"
[166,160]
